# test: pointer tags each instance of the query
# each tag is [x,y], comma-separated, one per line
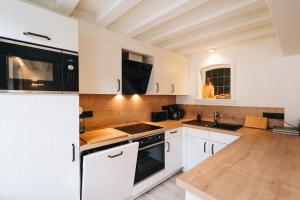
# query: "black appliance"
[159,116]
[151,156]
[135,77]
[137,128]
[26,67]
[174,112]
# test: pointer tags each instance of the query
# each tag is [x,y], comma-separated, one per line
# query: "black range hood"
[135,77]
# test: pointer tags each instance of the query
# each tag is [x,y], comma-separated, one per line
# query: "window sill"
[216,101]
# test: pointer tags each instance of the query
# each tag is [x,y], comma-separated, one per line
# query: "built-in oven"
[151,156]
[28,67]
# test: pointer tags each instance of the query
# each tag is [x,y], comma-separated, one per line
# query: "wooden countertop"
[166,125]
[259,165]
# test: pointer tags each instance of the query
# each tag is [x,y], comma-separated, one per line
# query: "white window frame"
[201,77]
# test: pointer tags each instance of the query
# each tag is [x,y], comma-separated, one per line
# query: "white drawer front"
[173,133]
[222,137]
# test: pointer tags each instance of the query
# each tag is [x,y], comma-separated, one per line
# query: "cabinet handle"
[173,88]
[204,147]
[119,85]
[73,152]
[168,143]
[119,154]
[212,149]
[37,35]
[172,132]
[157,87]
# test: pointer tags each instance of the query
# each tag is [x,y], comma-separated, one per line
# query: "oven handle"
[152,145]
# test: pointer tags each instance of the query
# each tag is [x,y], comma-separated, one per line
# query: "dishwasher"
[108,172]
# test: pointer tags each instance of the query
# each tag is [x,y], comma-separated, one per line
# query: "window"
[220,79]
[216,82]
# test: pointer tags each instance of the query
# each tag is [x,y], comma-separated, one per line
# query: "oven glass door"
[30,69]
[150,160]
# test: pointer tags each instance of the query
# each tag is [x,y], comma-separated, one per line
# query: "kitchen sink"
[230,127]
[201,123]
[224,126]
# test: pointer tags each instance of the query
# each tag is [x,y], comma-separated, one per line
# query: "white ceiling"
[183,26]
[286,17]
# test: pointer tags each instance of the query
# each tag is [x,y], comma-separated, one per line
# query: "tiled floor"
[167,190]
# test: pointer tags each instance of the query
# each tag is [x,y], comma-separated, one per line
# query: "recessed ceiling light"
[211,50]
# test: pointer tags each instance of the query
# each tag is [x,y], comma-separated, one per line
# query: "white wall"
[264,78]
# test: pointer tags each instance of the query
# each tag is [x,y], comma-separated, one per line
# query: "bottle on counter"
[198,117]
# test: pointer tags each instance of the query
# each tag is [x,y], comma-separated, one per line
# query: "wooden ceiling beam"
[265,31]
[117,10]
[66,7]
[175,9]
[219,15]
[205,36]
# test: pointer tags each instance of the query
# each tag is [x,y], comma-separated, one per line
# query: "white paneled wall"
[36,137]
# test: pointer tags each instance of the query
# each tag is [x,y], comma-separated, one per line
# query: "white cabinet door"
[15,18]
[197,150]
[215,147]
[100,66]
[62,31]
[160,76]
[109,174]
[37,134]
[179,76]
[173,154]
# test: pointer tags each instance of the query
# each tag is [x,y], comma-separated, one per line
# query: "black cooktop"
[137,128]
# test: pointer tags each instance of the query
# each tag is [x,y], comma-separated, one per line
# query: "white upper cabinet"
[169,76]
[160,76]
[21,21]
[179,76]
[12,21]
[100,65]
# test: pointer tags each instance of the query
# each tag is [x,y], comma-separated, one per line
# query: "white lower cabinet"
[109,174]
[215,147]
[197,150]
[200,144]
[173,151]
[39,147]
[190,196]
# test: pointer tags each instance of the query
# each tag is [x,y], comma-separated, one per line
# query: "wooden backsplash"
[231,114]
[111,110]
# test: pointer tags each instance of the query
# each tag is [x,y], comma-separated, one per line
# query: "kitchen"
[130,99]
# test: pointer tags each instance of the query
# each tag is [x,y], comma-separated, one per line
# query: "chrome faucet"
[217,117]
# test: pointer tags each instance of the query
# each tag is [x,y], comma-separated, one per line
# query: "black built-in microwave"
[26,67]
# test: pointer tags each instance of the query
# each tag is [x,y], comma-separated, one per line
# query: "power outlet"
[279,116]
[86,114]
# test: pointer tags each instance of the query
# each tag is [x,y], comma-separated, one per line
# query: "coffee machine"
[174,112]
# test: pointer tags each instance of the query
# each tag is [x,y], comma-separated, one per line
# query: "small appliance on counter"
[174,112]
[159,116]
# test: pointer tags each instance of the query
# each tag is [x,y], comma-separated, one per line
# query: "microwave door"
[25,68]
